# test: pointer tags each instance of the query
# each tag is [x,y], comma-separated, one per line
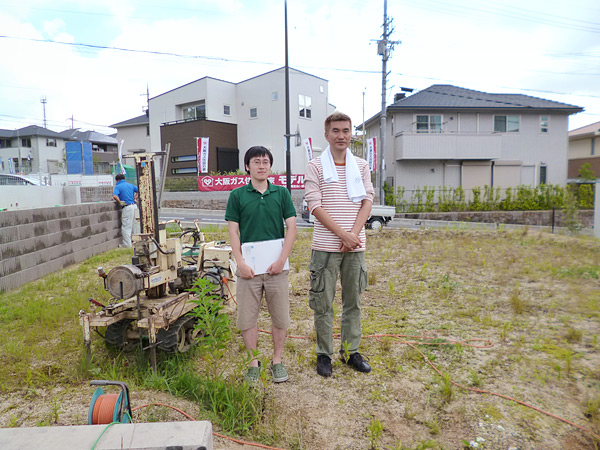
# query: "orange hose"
[506,397]
[226,281]
[466,343]
[398,338]
[104,409]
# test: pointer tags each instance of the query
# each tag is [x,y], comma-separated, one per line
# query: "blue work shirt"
[126,192]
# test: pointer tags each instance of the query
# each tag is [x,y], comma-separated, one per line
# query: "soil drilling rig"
[150,301]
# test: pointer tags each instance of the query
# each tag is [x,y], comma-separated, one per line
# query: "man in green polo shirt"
[255,213]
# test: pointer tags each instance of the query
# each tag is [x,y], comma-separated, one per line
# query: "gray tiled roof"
[68,135]
[590,129]
[140,120]
[31,130]
[88,136]
[444,96]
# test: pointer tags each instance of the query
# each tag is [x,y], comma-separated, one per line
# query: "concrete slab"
[136,436]
[9,234]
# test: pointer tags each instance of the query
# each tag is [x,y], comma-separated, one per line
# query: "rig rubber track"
[116,334]
[178,337]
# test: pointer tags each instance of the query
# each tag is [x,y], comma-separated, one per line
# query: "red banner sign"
[230,182]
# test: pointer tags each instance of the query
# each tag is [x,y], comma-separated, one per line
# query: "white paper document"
[260,255]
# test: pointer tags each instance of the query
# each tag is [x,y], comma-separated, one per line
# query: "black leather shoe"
[324,365]
[357,362]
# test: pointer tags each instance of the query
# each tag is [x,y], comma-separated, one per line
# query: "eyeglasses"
[260,162]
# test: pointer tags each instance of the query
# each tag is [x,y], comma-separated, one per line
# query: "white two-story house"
[31,149]
[450,136]
[584,148]
[235,117]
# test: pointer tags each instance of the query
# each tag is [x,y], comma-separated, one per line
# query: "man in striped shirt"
[339,194]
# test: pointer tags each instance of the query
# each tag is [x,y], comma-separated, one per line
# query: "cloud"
[441,43]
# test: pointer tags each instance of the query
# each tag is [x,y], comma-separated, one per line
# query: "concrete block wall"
[212,200]
[28,197]
[536,218]
[96,193]
[36,242]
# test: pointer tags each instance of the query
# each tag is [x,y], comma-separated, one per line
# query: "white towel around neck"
[354,182]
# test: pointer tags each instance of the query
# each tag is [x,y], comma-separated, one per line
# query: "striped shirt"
[333,198]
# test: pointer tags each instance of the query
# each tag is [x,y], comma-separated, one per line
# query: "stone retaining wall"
[212,200]
[540,218]
[36,242]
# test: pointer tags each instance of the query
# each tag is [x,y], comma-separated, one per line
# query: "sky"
[95,61]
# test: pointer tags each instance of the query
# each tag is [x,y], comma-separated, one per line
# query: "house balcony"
[447,146]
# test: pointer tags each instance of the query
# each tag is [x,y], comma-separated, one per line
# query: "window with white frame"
[305,106]
[184,170]
[427,123]
[226,110]
[195,112]
[26,142]
[544,124]
[50,142]
[184,158]
[506,124]
[253,113]
[543,174]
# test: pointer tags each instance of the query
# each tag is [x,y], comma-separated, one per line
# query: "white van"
[380,215]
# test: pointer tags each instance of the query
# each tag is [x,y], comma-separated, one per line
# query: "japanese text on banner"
[202,155]
[309,150]
[372,154]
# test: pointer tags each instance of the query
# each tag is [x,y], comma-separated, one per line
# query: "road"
[216,217]
[207,217]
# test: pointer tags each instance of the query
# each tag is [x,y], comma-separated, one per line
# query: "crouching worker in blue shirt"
[256,212]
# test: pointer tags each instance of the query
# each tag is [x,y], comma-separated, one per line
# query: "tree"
[586,172]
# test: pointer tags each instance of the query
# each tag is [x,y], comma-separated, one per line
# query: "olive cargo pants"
[324,269]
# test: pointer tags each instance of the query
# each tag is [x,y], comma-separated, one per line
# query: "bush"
[488,198]
[585,196]
[181,183]
[389,195]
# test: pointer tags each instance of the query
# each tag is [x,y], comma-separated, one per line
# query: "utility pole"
[147,95]
[288,159]
[384,48]
[364,153]
[44,101]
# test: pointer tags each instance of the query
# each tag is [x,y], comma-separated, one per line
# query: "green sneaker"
[279,373]
[252,375]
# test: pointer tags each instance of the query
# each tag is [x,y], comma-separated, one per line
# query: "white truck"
[380,215]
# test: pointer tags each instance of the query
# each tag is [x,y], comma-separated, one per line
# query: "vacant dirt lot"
[516,314]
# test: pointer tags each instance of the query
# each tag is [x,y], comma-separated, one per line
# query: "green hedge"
[520,198]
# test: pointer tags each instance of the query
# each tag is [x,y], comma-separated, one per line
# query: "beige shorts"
[249,299]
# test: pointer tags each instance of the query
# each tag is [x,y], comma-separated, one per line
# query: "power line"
[130,50]
[494,11]
[497,86]
[212,58]
[100,14]
[177,55]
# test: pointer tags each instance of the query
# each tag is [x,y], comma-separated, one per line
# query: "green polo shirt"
[260,216]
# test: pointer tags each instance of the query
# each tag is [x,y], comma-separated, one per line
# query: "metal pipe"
[288,162]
